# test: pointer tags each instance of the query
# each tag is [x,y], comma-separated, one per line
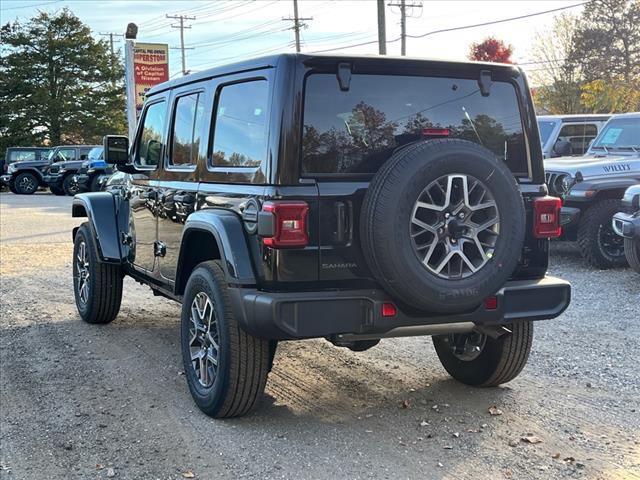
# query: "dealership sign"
[147,64]
[150,67]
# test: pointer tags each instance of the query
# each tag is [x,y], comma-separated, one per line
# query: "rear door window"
[356,131]
[188,123]
[241,125]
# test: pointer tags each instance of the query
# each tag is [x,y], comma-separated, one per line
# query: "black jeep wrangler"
[350,198]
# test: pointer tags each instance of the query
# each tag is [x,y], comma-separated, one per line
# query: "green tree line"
[58,85]
[590,63]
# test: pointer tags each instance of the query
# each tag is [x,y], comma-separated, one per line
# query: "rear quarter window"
[356,131]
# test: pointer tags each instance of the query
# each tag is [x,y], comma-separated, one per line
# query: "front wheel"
[57,191]
[479,360]
[26,184]
[70,186]
[599,244]
[226,368]
[632,252]
[97,286]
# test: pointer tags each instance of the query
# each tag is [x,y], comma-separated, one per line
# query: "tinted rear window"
[356,131]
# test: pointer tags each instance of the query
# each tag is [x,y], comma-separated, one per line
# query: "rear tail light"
[546,217]
[287,224]
[389,310]
[435,132]
[491,303]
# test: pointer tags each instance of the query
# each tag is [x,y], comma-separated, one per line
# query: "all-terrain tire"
[25,183]
[594,224]
[69,186]
[243,361]
[500,361]
[632,252]
[385,224]
[101,301]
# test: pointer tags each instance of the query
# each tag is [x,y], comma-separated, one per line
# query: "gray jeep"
[592,188]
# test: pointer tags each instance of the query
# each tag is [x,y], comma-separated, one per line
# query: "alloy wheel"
[455,225]
[610,242]
[204,339]
[27,184]
[82,266]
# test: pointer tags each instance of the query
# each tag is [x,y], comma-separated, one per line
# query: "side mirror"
[116,149]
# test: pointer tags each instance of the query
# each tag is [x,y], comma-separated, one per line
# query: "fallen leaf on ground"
[531,439]
[424,423]
[556,456]
[493,410]
[99,466]
[569,459]
[111,472]
[189,474]
[405,404]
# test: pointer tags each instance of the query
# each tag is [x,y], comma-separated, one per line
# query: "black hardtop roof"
[319,59]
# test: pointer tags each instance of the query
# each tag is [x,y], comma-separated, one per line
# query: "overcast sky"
[229,30]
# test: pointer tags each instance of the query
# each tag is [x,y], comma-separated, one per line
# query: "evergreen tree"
[57,83]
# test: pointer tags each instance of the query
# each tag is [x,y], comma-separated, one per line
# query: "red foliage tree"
[491,50]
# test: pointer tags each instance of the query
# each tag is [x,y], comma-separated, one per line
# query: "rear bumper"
[293,315]
[626,225]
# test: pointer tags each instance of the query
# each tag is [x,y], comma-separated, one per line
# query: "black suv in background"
[350,198]
[20,154]
[27,176]
[59,176]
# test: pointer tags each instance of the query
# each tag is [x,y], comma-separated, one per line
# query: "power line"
[182,26]
[455,28]
[31,6]
[113,56]
[493,22]
[298,23]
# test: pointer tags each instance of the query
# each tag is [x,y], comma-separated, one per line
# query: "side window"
[188,122]
[579,135]
[150,146]
[241,125]
[84,153]
[66,154]
[21,156]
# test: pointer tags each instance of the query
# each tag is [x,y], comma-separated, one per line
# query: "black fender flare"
[228,232]
[101,209]
[606,187]
[34,171]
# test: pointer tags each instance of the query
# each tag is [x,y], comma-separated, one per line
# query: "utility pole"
[113,54]
[403,21]
[382,29]
[182,26]
[298,23]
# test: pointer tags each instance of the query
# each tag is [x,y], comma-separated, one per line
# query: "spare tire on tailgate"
[443,225]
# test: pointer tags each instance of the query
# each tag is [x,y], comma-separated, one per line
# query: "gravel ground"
[85,401]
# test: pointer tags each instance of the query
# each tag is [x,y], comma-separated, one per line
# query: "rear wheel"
[599,244]
[479,360]
[25,184]
[226,368]
[97,286]
[632,252]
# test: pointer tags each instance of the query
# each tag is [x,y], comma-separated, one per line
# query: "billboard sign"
[150,67]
